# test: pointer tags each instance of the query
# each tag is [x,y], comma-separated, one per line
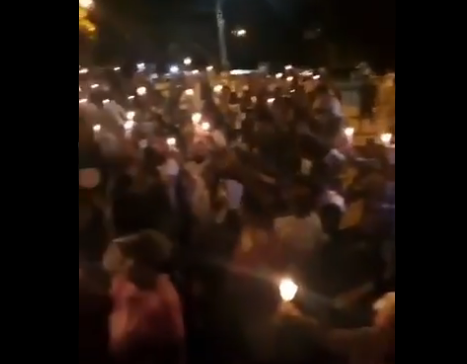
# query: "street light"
[240,33]
[221,33]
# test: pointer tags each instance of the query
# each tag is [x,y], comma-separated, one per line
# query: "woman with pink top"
[146,324]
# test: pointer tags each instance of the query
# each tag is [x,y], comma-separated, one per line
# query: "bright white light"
[174,69]
[205,126]
[86,4]
[288,290]
[141,91]
[240,33]
[349,132]
[196,118]
[386,139]
[129,125]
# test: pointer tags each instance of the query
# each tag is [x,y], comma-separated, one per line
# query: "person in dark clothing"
[93,337]
[368,94]
[93,178]
[136,210]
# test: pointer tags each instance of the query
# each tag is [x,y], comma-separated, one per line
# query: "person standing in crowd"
[94,308]
[368,94]
[92,202]
[214,205]
[146,324]
[386,105]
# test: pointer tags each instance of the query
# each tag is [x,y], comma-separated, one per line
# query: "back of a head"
[147,253]
[256,212]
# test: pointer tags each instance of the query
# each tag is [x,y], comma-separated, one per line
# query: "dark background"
[337,33]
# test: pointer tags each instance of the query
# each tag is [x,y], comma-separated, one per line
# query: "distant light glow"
[174,69]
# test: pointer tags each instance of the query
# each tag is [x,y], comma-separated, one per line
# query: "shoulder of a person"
[368,345]
[171,297]
[121,287]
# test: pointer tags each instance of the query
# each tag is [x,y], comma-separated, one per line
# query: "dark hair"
[322,89]
[259,212]
[151,253]
[148,248]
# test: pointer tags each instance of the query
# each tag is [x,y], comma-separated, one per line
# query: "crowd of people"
[230,218]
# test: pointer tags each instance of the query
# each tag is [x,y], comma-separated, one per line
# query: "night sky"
[303,32]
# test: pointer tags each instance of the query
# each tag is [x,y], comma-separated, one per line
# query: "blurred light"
[386,139]
[240,72]
[129,125]
[86,4]
[174,69]
[349,132]
[141,91]
[240,33]
[196,118]
[288,290]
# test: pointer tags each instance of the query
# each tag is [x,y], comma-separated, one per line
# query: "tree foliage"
[85,24]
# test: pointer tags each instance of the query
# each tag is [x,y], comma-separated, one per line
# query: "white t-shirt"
[301,233]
